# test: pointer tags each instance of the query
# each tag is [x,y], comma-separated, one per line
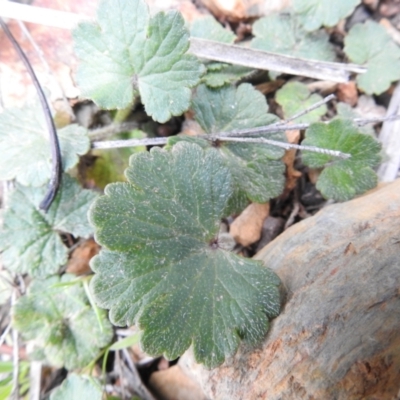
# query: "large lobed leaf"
[342,179]
[370,45]
[60,321]
[127,53]
[164,267]
[282,33]
[25,148]
[316,13]
[29,238]
[256,168]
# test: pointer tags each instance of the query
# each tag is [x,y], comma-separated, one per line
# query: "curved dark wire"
[55,179]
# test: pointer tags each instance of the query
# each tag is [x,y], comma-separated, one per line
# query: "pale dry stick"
[318,104]
[114,144]
[261,130]
[266,129]
[110,130]
[118,366]
[286,146]
[35,377]
[4,334]
[136,382]
[390,139]
[247,57]
[15,384]
[202,48]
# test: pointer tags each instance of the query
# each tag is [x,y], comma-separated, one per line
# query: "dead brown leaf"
[78,263]
[289,158]
[347,92]
[174,384]
[246,228]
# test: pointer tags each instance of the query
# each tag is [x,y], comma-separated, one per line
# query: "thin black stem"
[56,170]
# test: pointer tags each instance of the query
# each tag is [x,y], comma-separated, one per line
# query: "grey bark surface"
[338,335]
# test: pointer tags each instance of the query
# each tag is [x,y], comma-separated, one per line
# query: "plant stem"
[56,169]
[320,103]
[237,135]
[113,129]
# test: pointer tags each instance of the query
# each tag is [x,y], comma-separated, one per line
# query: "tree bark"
[338,335]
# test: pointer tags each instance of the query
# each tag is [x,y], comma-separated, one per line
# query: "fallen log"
[338,336]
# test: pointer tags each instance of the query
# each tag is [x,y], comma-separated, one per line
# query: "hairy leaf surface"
[316,13]
[29,238]
[60,321]
[282,33]
[256,168]
[370,45]
[163,268]
[295,97]
[78,387]
[127,53]
[342,179]
[25,147]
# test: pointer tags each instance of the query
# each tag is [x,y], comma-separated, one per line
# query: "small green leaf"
[369,44]
[294,97]
[29,239]
[164,269]
[127,53]
[209,28]
[345,111]
[282,34]
[126,342]
[25,149]
[220,74]
[78,387]
[61,322]
[342,179]
[256,168]
[316,13]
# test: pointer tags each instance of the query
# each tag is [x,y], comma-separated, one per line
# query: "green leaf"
[369,44]
[256,168]
[342,179]
[316,13]
[164,269]
[29,239]
[25,148]
[209,28]
[127,53]
[61,322]
[294,97]
[282,34]
[345,111]
[126,342]
[220,74]
[78,387]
